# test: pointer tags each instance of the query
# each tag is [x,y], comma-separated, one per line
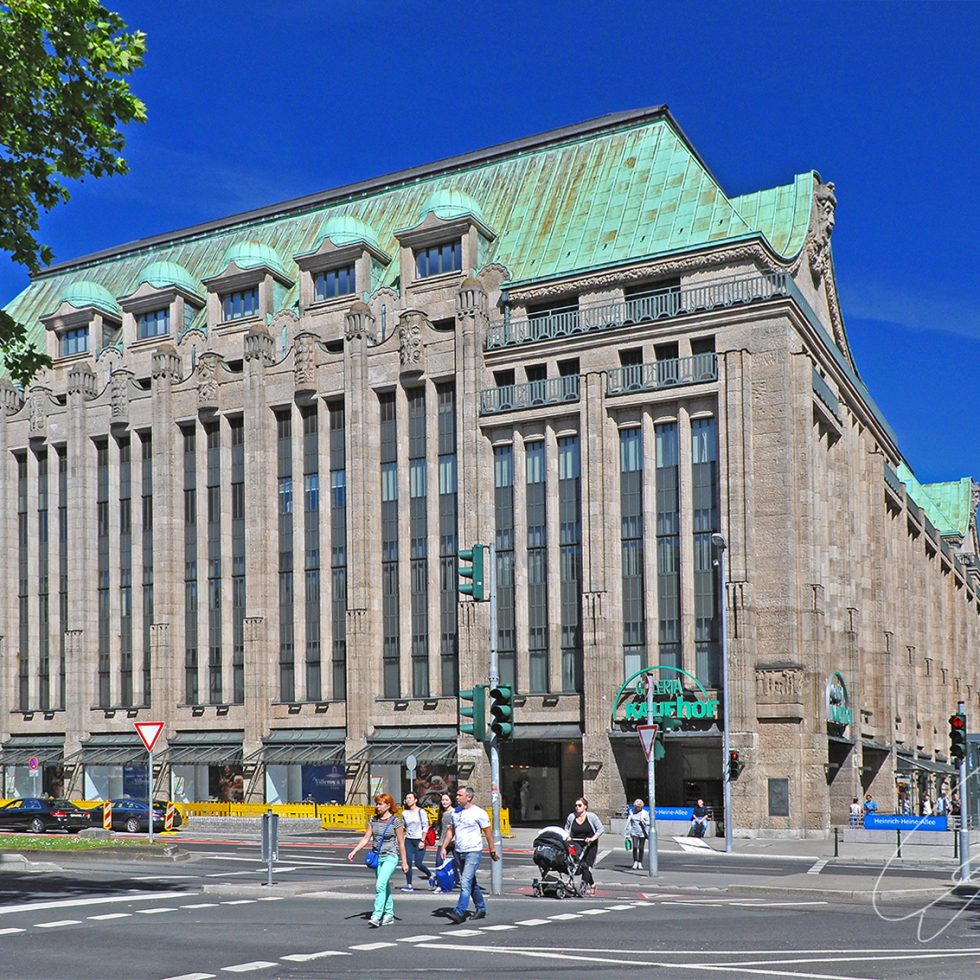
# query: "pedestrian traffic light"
[957,735]
[477,710]
[473,571]
[735,765]
[502,712]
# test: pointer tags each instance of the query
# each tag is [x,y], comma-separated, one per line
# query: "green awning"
[204,748]
[397,744]
[111,749]
[18,750]
[295,747]
[561,732]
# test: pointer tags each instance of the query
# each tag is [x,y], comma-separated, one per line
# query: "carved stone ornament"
[359,323]
[207,379]
[38,400]
[821,228]
[778,685]
[411,350]
[10,399]
[304,361]
[259,345]
[82,381]
[119,388]
[471,298]
[283,327]
[166,363]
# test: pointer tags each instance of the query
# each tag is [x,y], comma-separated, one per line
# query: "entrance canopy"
[111,749]
[204,748]
[907,763]
[296,747]
[396,744]
[18,750]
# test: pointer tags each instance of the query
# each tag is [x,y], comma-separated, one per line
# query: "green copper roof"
[450,202]
[619,189]
[947,505]
[82,293]
[344,229]
[160,275]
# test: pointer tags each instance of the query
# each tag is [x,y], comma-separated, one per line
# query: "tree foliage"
[63,98]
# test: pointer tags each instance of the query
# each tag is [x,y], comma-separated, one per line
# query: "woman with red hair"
[386,834]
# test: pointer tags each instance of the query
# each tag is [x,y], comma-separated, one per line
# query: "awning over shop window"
[396,744]
[907,763]
[870,746]
[295,747]
[203,749]
[111,749]
[563,732]
[18,750]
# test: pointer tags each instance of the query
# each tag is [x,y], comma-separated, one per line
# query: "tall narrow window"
[311,510]
[390,643]
[287,666]
[448,543]
[537,569]
[191,690]
[62,568]
[503,479]
[338,550]
[668,546]
[43,598]
[570,561]
[156,323]
[241,303]
[146,499]
[23,589]
[212,435]
[237,433]
[334,282]
[436,260]
[704,510]
[631,541]
[125,572]
[418,534]
[102,557]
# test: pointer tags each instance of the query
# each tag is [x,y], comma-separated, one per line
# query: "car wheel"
[132,825]
[37,826]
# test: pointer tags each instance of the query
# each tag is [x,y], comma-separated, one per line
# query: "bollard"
[898,838]
[836,847]
[168,820]
[270,841]
[956,842]
[107,816]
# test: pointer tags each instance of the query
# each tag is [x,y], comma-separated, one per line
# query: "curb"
[170,852]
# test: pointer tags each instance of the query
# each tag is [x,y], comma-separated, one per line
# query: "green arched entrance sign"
[670,700]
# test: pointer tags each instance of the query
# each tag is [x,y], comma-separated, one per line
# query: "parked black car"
[38,815]
[131,815]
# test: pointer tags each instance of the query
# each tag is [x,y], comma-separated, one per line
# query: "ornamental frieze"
[411,350]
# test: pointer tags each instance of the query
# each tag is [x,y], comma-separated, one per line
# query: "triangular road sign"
[149,732]
[648,735]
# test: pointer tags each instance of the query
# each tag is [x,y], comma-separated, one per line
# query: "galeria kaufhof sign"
[670,698]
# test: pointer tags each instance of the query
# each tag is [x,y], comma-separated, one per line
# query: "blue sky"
[252,102]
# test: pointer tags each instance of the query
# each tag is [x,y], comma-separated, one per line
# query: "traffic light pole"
[652,859]
[496,867]
[964,815]
[726,775]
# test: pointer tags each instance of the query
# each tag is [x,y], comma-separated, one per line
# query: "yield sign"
[149,732]
[648,735]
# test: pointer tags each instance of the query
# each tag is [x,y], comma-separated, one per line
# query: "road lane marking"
[306,957]
[418,939]
[110,915]
[566,915]
[241,901]
[532,922]
[818,867]
[60,922]
[64,903]
[462,932]
[201,905]
[617,908]
[367,947]
[154,911]
[165,877]
[271,898]
[9,932]
[248,967]
[193,976]
[500,928]
[594,911]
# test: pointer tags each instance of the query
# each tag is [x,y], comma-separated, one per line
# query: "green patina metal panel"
[947,505]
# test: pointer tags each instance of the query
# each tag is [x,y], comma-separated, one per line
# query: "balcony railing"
[668,302]
[534,394]
[669,373]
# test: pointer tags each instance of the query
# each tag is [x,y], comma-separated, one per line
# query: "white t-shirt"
[468,825]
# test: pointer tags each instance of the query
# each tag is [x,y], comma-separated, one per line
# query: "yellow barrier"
[357,817]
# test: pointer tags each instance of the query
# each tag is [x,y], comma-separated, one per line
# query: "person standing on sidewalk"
[585,828]
[855,812]
[638,831]
[467,828]
[416,822]
[870,807]
[386,834]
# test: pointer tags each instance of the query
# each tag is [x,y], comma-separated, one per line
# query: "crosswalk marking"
[201,905]
[60,922]
[594,911]
[306,957]
[193,976]
[417,939]
[110,915]
[817,867]
[462,932]
[499,928]
[9,932]
[532,922]
[248,967]
[367,947]
[566,915]
[153,911]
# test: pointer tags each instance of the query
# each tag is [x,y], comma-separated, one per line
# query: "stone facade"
[853,623]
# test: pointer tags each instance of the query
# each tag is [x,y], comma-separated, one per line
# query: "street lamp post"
[720,546]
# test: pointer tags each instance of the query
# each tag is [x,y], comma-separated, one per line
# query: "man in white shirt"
[469,825]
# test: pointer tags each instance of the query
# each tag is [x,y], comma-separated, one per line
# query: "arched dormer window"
[86,320]
[165,300]
[251,283]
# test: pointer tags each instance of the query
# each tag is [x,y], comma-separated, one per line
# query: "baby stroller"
[559,860]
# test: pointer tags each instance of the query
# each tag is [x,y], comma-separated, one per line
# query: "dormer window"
[331,283]
[73,342]
[436,260]
[154,323]
[241,303]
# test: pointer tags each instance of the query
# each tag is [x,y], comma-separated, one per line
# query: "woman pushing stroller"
[585,828]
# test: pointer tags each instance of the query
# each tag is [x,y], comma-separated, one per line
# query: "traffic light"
[502,712]
[477,710]
[735,765]
[473,571]
[957,736]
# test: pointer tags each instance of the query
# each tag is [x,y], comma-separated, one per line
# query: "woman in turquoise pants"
[386,835]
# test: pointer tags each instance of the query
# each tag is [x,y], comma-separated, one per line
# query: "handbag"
[374,855]
[430,836]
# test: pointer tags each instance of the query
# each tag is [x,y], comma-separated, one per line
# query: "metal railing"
[669,302]
[669,373]
[534,394]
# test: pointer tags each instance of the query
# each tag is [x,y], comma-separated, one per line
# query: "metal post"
[898,841]
[721,546]
[149,792]
[836,843]
[652,859]
[496,867]
[964,813]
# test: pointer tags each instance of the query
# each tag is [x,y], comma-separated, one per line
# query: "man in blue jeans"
[469,825]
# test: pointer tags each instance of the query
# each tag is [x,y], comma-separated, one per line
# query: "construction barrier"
[168,820]
[107,816]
